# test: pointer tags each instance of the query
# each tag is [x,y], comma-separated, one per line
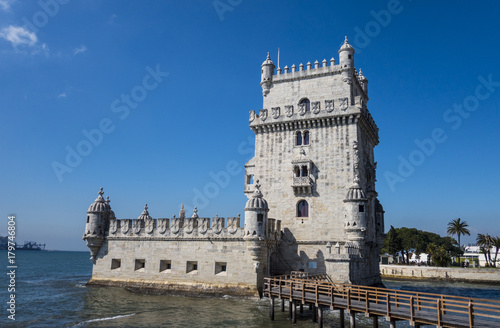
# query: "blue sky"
[153,97]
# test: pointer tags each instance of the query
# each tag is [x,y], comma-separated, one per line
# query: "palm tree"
[485,242]
[496,243]
[458,227]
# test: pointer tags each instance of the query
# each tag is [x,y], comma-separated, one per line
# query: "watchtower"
[314,155]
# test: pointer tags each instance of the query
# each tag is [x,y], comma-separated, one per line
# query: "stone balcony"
[302,185]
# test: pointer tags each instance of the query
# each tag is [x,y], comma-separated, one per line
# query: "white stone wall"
[239,266]
[333,131]
[423,272]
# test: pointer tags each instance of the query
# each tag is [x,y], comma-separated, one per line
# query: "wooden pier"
[318,292]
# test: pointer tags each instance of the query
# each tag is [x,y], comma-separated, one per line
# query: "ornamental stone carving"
[289,111]
[205,224]
[252,116]
[315,107]
[302,109]
[136,226]
[189,225]
[150,225]
[125,226]
[162,225]
[218,224]
[343,103]
[329,106]
[263,114]
[275,111]
[233,224]
[113,226]
[176,225]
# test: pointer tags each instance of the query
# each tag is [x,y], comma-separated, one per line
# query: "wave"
[104,319]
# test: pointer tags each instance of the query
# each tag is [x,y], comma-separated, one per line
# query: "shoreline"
[446,274]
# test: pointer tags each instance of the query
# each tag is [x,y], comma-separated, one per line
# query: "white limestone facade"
[314,148]
[311,206]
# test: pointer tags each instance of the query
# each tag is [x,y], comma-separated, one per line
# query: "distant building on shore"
[311,206]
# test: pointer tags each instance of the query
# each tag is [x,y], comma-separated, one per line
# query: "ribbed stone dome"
[257,202]
[346,46]
[145,214]
[355,193]
[99,204]
[268,60]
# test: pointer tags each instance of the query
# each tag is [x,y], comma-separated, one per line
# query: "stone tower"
[314,154]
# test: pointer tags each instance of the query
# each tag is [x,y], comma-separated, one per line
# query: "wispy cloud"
[5,4]
[79,50]
[18,36]
[62,95]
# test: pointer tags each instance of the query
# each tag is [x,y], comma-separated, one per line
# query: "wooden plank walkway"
[394,305]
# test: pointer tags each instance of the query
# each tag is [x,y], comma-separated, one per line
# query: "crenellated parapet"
[177,227]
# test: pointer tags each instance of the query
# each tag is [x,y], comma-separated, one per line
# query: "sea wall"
[480,275]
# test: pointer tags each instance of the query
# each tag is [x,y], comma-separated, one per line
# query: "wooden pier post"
[375,321]
[392,323]
[290,304]
[294,312]
[320,316]
[271,307]
[315,313]
[342,319]
[282,305]
[352,320]
[301,308]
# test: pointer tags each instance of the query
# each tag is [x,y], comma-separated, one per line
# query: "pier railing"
[415,307]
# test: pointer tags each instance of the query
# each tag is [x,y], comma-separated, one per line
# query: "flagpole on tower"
[278,57]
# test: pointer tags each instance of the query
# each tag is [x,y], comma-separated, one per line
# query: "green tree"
[458,227]
[439,255]
[485,242]
[392,243]
[496,244]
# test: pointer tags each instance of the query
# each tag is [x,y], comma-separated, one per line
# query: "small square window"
[116,264]
[221,268]
[361,208]
[192,267]
[140,265]
[313,265]
[165,266]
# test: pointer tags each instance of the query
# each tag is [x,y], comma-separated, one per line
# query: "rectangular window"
[220,268]
[140,265]
[165,266]
[116,264]
[313,265]
[361,208]
[249,179]
[192,267]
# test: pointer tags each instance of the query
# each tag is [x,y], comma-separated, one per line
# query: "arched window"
[299,139]
[306,103]
[302,209]
[297,171]
[304,171]
[306,138]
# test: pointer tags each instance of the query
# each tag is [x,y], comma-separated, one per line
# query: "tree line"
[405,241]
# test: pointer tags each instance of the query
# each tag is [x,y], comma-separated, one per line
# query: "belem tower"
[311,206]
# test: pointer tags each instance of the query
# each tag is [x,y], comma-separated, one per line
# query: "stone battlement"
[309,71]
[185,228]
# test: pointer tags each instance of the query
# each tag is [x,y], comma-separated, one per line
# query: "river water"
[51,292]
